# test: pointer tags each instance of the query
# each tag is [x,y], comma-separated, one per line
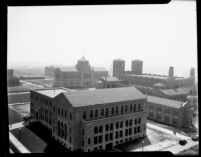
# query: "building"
[80,76]
[175,113]
[109,82]
[118,68]
[137,66]
[11,79]
[91,120]
[151,79]
[179,94]
[50,70]
[171,72]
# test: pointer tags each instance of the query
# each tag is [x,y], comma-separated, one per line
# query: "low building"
[175,113]
[11,79]
[179,94]
[91,120]
[109,82]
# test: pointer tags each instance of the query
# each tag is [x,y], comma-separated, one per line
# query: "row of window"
[167,111]
[111,111]
[117,125]
[62,131]
[110,136]
[41,99]
[62,112]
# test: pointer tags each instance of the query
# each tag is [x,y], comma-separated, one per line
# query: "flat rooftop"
[164,102]
[177,91]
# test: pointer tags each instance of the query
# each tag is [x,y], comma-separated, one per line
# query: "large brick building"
[91,120]
[80,76]
[176,113]
[109,82]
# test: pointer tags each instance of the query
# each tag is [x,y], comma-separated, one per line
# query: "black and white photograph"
[103,78]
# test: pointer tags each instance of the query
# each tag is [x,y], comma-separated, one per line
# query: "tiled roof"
[103,96]
[177,91]
[52,92]
[164,102]
[68,68]
[99,69]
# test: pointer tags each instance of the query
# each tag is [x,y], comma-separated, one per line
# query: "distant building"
[179,94]
[137,66]
[50,70]
[11,79]
[118,68]
[176,113]
[91,120]
[171,72]
[79,76]
[109,82]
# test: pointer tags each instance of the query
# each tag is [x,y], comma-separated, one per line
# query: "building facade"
[109,82]
[92,120]
[11,79]
[171,112]
[50,71]
[80,76]
[118,68]
[137,67]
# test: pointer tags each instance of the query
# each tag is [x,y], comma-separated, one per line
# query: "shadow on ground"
[135,144]
[43,133]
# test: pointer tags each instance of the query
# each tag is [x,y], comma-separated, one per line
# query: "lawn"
[43,82]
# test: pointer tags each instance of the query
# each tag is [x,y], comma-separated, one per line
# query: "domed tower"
[83,65]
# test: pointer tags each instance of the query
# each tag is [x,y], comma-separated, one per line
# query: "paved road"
[29,83]
[167,131]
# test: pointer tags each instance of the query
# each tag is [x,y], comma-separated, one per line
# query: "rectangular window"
[130,131]
[131,107]
[111,136]
[102,112]
[117,135]
[91,114]
[70,116]
[106,111]
[89,141]
[84,115]
[106,137]
[121,124]
[96,113]
[107,127]
[111,126]
[117,125]
[116,110]
[121,134]
[95,140]
[139,120]
[101,129]
[126,108]
[122,109]
[100,139]
[112,110]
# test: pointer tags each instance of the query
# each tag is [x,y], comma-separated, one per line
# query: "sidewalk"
[178,148]
[16,125]
[167,131]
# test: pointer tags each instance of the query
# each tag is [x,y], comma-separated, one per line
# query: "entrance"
[109,146]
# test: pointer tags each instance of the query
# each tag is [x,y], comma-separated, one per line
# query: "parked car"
[182,142]
[195,138]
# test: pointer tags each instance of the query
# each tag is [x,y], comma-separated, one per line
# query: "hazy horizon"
[160,35]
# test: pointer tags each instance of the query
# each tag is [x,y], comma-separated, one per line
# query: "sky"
[161,35]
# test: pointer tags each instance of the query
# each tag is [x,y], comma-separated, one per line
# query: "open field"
[43,82]
[22,88]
